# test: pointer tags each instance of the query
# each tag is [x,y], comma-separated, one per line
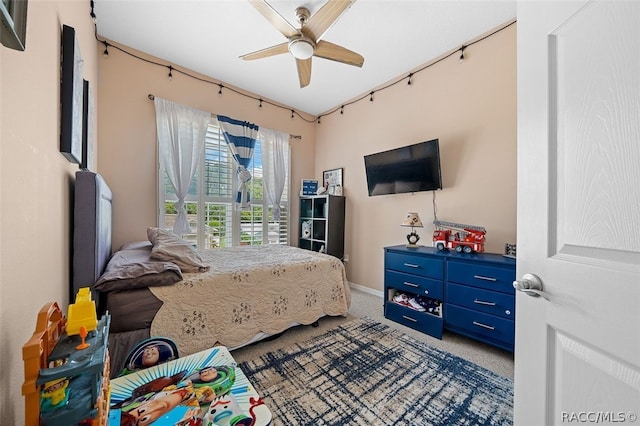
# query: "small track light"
[410,77]
[170,72]
[462,53]
[220,86]
[106,50]
[371,97]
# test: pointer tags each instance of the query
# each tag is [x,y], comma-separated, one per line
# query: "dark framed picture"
[13,31]
[71,97]
[87,127]
[331,179]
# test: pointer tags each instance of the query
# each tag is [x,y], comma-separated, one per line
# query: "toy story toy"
[150,352]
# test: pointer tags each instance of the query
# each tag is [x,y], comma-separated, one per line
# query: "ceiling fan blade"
[304,71]
[275,18]
[320,21]
[278,49]
[327,50]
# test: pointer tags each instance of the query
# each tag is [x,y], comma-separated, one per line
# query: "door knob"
[531,285]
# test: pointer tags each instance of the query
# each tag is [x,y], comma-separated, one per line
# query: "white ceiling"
[208,36]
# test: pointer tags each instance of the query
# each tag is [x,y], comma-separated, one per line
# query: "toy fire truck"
[459,237]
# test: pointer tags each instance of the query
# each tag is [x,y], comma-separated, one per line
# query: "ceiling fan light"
[301,48]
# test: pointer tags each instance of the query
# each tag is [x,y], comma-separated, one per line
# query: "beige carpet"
[367,305]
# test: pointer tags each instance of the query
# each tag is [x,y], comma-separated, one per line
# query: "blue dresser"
[473,293]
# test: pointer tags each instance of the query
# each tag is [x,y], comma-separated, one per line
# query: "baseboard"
[369,290]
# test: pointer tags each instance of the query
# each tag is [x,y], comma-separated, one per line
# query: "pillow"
[129,269]
[136,245]
[168,247]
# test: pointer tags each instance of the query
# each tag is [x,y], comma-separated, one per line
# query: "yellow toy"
[54,393]
[82,313]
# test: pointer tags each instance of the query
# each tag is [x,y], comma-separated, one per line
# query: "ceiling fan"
[305,42]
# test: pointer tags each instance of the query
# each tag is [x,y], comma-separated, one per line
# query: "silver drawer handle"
[481,277]
[410,284]
[411,265]
[409,318]
[482,302]
[488,327]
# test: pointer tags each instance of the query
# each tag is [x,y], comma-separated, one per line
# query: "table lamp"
[412,220]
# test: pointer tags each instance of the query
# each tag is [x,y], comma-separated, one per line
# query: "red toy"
[458,236]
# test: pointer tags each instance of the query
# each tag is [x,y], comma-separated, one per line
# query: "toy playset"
[66,366]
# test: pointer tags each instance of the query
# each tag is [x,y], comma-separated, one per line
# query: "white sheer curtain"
[275,146]
[181,136]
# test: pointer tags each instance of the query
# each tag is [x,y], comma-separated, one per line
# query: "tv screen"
[410,168]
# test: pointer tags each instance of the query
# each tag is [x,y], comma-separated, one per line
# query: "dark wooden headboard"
[92,220]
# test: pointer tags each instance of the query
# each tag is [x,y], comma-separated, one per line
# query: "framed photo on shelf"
[309,187]
[331,179]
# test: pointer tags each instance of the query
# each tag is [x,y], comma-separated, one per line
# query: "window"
[210,202]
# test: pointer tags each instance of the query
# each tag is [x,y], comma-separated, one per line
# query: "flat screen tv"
[410,168]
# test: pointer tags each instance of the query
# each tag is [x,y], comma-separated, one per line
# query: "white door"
[577,357]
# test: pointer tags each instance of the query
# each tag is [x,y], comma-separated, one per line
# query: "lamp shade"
[301,48]
[412,220]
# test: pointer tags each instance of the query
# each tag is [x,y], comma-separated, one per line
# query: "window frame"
[201,199]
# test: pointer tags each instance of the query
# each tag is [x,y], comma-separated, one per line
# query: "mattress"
[249,290]
[132,309]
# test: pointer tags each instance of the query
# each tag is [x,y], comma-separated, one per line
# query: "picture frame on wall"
[13,28]
[87,127]
[332,181]
[71,97]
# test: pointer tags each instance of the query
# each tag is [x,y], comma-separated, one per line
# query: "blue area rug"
[365,373]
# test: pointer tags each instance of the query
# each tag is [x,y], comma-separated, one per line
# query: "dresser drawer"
[483,276]
[421,321]
[415,264]
[492,329]
[414,284]
[478,299]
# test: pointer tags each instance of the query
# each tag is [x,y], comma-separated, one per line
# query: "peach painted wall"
[35,184]
[471,108]
[127,133]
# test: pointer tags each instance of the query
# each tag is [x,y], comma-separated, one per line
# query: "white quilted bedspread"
[248,290]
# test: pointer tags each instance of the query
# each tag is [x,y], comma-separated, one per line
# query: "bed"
[199,298]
